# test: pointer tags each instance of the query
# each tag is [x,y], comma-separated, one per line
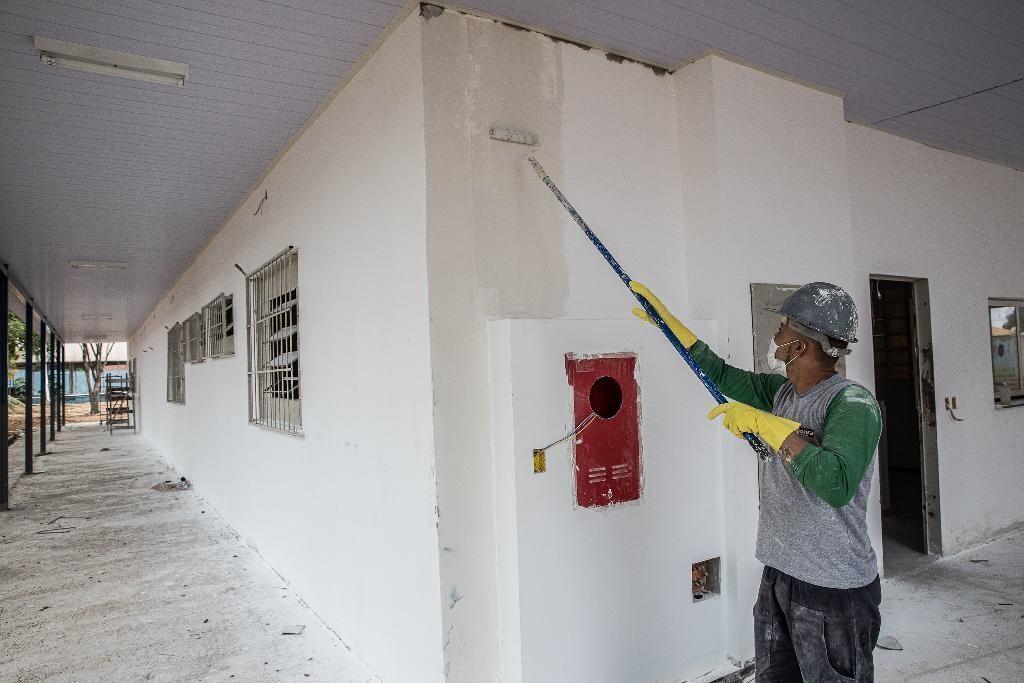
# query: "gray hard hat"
[821,310]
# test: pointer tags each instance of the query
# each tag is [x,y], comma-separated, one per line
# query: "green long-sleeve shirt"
[833,470]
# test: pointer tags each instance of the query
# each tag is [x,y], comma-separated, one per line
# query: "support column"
[53,385]
[42,387]
[28,388]
[4,389]
[63,378]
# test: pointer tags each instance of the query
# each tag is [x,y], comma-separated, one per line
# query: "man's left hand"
[741,418]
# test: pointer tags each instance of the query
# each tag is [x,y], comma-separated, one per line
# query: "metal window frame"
[1008,396]
[272,340]
[194,340]
[175,365]
[220,332]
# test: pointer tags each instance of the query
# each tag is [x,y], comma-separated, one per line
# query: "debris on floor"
[57,519]
[889,643]
[169,485]
[743,675]
[293,630]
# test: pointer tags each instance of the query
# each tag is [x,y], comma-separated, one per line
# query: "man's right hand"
[681,331]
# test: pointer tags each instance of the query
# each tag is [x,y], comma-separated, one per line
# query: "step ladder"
[120,403]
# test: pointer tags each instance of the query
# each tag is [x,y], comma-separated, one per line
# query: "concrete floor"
[959,618]
[104,579]
[903,535]
[902,546]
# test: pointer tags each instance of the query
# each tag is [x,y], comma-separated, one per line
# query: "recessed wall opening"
[605,398]
[907,451]
[706,578]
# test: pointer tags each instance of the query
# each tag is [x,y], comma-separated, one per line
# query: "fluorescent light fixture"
[88,316]
[99,265]
[98,60]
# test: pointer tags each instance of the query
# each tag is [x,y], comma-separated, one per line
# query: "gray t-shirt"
[798,532]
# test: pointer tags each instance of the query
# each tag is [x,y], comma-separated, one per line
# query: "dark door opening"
[904,392]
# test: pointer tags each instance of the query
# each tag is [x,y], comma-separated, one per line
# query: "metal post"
[63,379]
[28,388]
[53,385]
[57,373]
[4,333]
[42,387]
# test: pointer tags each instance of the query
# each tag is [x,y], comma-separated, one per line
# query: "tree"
[1011,321]
[16,339]
[16,350]
[94,360]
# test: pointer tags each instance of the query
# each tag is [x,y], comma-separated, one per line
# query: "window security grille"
[175,365]
[195,344]
[272,326]
[219,322]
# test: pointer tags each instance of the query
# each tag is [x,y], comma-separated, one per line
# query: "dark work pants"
[804,632]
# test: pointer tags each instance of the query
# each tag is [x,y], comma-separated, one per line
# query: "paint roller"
[510,135]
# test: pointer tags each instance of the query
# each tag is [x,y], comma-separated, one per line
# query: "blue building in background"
[77,388]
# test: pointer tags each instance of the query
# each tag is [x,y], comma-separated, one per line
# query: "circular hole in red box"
[606,398]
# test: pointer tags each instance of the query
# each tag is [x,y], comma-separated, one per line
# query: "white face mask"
[774,364]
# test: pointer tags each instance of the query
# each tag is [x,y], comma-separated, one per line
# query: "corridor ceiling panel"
[100,168]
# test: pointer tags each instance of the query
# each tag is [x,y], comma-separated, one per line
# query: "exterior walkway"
[103,578]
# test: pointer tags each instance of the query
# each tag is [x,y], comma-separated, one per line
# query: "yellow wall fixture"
[99,60]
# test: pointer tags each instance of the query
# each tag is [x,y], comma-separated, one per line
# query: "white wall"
[603,594]
[767,199]
[346,512]
[415,230]
[500,246]
[493,248]
[701,183]
[959,222]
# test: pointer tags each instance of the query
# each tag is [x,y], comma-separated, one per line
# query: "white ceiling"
[889,58]
[101,168]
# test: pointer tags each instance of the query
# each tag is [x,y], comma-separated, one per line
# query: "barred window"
[272,317]
[195,344]
[175,365]
[219,321]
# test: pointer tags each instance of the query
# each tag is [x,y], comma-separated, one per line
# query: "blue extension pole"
[762,450]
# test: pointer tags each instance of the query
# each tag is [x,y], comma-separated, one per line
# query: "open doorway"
[907,452]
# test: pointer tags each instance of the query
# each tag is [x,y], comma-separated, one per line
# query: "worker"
[817,611]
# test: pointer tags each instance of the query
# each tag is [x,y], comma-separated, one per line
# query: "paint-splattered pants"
[804,632]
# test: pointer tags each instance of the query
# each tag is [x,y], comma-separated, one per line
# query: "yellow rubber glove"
[740,418]
[681,331]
